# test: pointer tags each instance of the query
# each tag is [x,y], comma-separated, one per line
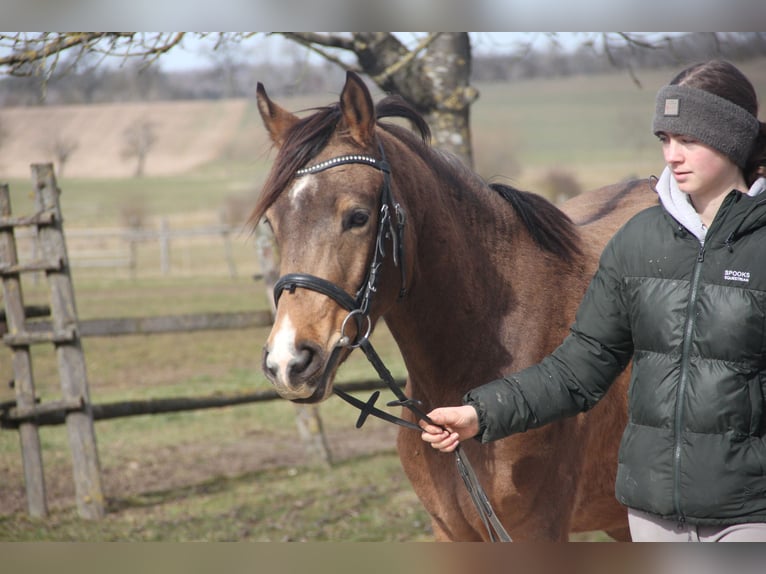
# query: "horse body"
[489,290]
[480,307]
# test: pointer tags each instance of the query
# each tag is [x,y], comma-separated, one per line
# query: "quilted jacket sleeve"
[576,375]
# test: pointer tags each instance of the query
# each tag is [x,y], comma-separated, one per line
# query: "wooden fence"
[118,248]
[14,416]
[52,259]
[58,324]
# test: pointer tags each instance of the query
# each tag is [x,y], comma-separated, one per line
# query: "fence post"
[226,236]
[23,380]
[132,238]
[69,354]
[164,246]
[307,417]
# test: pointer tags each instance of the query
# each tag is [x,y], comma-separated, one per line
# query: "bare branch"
[40,54]
[631,41]
[36,50]
[160,47]
[636,41]
[312,41]
[406,60]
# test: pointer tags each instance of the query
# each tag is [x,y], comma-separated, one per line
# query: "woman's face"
[699,170]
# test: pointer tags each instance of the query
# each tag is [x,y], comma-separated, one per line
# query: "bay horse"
[473,281]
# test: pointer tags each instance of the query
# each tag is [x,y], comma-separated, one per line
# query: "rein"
[389,228]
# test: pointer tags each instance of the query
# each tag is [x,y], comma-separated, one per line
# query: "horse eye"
[356,219]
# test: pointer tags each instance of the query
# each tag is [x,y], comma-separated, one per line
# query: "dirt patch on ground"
[190,464]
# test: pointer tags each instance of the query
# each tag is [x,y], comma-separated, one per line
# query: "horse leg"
[433,481]
[444,534]
[546,475]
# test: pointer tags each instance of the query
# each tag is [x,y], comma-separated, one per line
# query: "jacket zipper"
[681,391]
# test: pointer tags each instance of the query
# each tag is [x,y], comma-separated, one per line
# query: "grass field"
[212,474]
[238,473]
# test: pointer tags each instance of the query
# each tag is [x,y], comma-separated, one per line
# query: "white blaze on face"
[303,185]
[282,350]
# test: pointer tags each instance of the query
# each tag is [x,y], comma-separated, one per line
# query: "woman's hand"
[461,423]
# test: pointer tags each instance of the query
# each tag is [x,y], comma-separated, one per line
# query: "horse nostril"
[303,360]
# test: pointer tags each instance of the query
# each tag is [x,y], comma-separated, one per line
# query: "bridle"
[388,228]
[391,222]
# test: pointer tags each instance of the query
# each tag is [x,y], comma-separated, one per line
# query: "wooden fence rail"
[123,243]
[55,413]
[115,327]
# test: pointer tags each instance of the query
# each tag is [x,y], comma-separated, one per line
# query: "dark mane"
[398,107]
[550,228]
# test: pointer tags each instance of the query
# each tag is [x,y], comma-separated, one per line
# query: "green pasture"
[212,474]
[597,128]
[193,476]
[100,202]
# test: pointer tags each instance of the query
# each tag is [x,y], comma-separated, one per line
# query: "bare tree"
[432,70]
[134,213]
[4,133]
[227,59]
[433,74]
[40,53]
[139,138]
[61,148]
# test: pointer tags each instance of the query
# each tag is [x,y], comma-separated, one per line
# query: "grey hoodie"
[679,206]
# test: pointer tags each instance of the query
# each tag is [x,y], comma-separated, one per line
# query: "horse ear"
[276,119]
[358,109]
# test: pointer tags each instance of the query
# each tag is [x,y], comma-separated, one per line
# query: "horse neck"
[475,282]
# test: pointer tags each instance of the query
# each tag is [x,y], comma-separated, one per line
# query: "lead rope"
[488,516]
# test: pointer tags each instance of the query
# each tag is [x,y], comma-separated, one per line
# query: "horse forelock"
[309,136]
[302,142]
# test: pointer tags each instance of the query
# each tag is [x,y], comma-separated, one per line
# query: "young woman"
[680,290]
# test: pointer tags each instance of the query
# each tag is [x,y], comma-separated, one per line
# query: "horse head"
[338,229]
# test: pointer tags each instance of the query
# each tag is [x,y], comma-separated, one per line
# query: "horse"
[473,280]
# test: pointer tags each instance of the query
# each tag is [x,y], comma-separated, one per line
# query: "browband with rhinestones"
[339,161]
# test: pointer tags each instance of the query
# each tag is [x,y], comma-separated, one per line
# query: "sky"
[195,53]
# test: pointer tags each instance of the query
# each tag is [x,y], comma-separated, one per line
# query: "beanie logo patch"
[671,106]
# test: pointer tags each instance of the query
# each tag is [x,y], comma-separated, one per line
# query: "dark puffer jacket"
[694,321]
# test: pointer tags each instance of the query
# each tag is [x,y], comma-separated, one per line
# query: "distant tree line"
[589,58]
[134,81]
[231,77]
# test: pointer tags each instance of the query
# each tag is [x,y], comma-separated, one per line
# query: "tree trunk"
[447,66]
[436,82]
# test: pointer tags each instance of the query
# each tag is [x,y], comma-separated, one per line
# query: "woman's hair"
[723,79]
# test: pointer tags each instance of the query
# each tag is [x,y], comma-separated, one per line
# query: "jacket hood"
[679,206]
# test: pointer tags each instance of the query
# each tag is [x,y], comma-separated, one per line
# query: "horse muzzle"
[301,373]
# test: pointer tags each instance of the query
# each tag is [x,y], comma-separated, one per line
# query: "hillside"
[594,127]
[188,134]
